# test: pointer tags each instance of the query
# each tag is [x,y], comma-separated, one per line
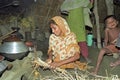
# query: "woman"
[63,48]
[78,17]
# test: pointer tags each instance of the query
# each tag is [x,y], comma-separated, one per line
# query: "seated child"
[111,34]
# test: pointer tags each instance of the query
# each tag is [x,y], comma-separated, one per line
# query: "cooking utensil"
[14,50]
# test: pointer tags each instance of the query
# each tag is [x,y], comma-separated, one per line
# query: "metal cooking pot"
[14,50]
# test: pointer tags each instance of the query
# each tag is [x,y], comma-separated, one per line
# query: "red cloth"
[112,48]
[29,43]
[83,49]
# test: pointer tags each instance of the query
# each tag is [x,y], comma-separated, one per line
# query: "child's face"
[55,29]
[111,23]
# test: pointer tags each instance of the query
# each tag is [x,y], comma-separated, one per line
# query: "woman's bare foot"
[114,64]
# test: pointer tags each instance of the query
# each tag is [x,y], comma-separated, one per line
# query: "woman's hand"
[49,61]
[35,63]
[53,65]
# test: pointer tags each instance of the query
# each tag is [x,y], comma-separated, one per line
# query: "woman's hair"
[52,22]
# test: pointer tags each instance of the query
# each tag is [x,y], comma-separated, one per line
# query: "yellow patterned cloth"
[64,46]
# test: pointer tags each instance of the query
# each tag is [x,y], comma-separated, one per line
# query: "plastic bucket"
[89,39]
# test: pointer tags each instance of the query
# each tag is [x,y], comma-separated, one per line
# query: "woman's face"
[55,29]
[111,23]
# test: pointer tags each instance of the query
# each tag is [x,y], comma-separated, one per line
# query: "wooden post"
[110,7]
[97,24]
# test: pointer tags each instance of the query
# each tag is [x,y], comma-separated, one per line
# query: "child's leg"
[107,50]
[100,57]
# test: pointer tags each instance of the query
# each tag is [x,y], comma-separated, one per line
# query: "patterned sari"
[64,46]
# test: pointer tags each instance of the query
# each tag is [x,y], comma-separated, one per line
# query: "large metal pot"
[14,50]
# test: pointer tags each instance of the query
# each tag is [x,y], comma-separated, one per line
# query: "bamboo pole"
[97,24]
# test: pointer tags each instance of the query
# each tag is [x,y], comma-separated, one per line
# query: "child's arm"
[114,41]
[106,37]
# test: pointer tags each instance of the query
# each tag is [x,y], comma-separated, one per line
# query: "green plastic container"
[89,39]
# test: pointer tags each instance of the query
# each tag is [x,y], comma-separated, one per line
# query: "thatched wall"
[44,10]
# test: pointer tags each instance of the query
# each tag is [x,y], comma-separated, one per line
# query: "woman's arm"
[49,60]
[62,62]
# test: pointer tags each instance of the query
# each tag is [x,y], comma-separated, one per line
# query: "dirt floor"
[105,69]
